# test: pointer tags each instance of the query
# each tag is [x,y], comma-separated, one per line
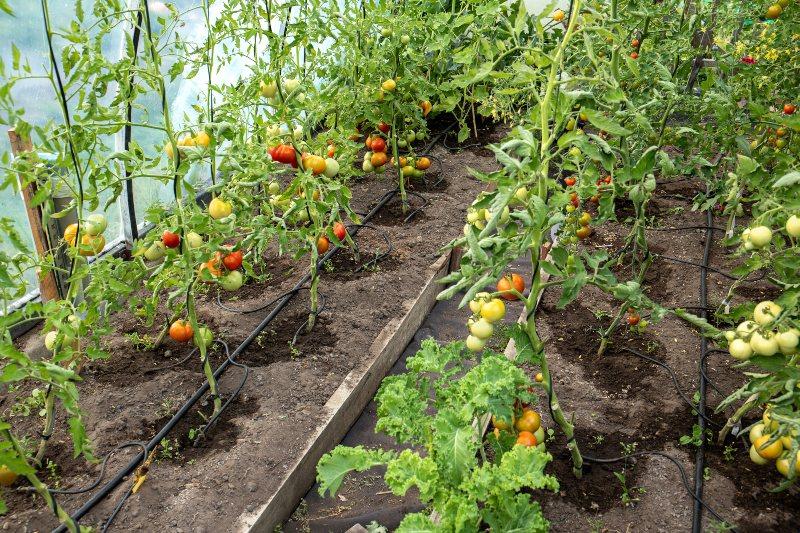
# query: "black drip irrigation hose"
[609,460]
[675,381]
[707,268]
[106,489]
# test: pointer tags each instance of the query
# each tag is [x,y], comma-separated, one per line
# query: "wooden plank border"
[346,404]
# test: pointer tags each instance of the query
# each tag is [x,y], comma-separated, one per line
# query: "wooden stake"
[48,288]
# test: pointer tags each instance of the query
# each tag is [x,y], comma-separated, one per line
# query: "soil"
[623,404]
[237,466]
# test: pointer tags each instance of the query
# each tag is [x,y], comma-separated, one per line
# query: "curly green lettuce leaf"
[342,460]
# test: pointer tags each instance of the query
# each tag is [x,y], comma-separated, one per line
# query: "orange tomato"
[506,283]
[423,163]
[426,107]
[323,244]
[526,438]
[181,331]
[212,265]
[634,55]
[92,245]
[315,164]
[378,159]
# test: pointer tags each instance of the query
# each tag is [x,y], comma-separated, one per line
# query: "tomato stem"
[38,485]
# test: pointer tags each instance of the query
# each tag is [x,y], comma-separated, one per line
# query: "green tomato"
[204,336]
[405,39]
[95,224]
[232,281]
[474,344]
[481,328]
[386,32]
[194,240]
[793,226]
[760,236]
[274,187]
[156,251]
[367,167]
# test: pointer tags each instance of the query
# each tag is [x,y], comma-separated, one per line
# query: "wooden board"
[48,289]
[346,404]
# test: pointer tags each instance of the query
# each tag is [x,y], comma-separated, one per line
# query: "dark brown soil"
[622,404]
[209,487]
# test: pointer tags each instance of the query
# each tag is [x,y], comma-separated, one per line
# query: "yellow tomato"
[768,451]
[389,85]
[493,310]
[7,477]
[202,139]
[218,208]
[529,421]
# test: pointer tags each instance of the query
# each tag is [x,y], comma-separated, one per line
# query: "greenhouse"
[412,265]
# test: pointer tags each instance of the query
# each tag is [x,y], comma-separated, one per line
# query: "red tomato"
[635,43]
[378,144]
[339,230]
[284,153]
[181,331]
[607,180]
[384,127]
[634,55]
[171,240]
[569,181]
[633,319]
[789,109]
[233,260]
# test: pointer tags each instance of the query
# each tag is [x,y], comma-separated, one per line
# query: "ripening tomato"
[202,139]
[378,144]
[558,15]
[423,163]
[339,230]
[315,164]
[635,43]
[526,438]
[384,127]
[569,182]
[170,239]
[634,55]
[378,159]
[768,451]
[502,424]
[506,283]
[426,107]
[529,421]
[493,310]
[323,244]
[7,477]
[539,377]
[583,232]
[633,319]
[233,260]
[389,85]
[789,109]
[212,265]
[585,219]
[331,150]
[91,245]
[181,331]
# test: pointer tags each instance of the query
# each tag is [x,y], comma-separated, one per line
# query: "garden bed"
[622,404]
[264,432]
